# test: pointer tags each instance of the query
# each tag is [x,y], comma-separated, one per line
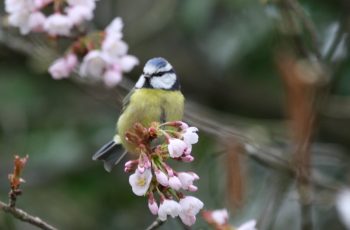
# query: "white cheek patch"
[164,82]
[139,84]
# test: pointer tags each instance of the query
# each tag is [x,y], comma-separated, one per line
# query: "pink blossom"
[79,13]
[87,3]
[190,135]
[115,28]
[153,206]
[112,77]
[140,182]
[175,183]
[187,179]
[37,21]
[58,24]
[114,47]
[190,206]
[20,19]
[162,178]
[94,64]
[192,188]
[220,216]
[249,225]
[14,6]
[128,62]
[63,67]
[176,147]
[168,207]
[187,158]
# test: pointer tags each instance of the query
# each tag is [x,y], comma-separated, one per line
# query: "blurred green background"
[224,52]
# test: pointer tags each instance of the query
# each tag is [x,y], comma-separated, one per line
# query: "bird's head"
[158,74]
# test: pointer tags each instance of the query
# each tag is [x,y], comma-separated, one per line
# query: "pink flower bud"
[162,178]
[192,188]
[153,206]
[130,165]
[187,158]
[175,183]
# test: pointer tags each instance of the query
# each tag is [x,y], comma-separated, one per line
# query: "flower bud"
[162,178]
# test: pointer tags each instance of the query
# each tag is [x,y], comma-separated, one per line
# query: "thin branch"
[156,224]
[25,217]
[308,24]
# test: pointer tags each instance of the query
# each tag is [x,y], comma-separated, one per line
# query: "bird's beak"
[146,75]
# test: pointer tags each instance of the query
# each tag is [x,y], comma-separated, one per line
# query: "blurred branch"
[279,187]
[156,224]
[25,217]
[308,24]
[338,38]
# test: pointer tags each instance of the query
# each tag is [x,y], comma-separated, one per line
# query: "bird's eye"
[158,74]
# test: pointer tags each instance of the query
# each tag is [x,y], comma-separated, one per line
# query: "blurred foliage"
[224,52]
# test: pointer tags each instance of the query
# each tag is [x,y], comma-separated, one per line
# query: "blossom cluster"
[218,219]
[63,16]
[103,57]
[155,178]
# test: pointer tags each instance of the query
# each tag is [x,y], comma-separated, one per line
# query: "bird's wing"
[126,99]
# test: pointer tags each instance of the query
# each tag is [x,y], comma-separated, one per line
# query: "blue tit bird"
[155,97]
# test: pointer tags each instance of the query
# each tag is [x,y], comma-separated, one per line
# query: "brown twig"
[25,217]
[156,224]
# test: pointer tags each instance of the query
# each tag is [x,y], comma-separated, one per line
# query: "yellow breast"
[148,105]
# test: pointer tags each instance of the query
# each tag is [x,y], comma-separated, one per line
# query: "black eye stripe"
[162,73]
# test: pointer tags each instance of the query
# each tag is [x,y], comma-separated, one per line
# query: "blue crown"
[157,62]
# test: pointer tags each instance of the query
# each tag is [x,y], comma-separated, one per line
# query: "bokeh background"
[233,57]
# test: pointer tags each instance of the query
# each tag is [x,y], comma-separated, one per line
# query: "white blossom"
[190,135]
[20,19]
[140,182]
[112,77]
[168,207]
[36,21]
[249,225]
[58,24]
[115,28]
[78,14]
[220,216]
[190,206]
[62,67]
[114,47]
[176,147]
[187,179]
[128,62]
[94,64]
[87,3]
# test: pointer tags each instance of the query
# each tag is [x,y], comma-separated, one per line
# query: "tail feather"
[111,154]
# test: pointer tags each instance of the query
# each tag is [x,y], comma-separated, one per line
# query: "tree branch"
[25,217]
[156,224]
